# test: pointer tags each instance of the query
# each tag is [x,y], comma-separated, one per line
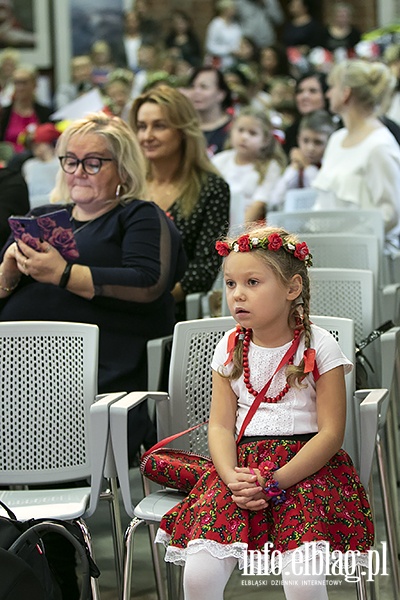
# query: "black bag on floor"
[24,569]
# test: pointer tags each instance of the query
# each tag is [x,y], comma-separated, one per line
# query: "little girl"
[281,481]
[251,167]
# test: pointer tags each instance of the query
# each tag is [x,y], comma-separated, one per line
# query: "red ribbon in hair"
[232,342]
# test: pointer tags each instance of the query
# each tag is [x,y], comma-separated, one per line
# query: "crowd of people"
[196,139]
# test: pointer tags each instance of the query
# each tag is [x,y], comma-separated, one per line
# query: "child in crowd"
[81,81]
[305,160]
[40,171]
[118,92]
[276,428]
[103,62]
[252,166]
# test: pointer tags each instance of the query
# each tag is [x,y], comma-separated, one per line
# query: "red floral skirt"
[329,506]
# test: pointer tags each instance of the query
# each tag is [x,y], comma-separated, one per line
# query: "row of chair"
[55,430]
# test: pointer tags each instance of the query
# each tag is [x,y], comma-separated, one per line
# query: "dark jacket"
[14,199]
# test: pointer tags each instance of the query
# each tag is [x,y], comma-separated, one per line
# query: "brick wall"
[202,11]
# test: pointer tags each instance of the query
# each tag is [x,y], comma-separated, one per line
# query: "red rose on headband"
[244,243]
[274,242]
[222,248]
[301,251]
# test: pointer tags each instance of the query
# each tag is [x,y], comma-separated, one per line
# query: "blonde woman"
[361,164]
[182,181]
[130,257]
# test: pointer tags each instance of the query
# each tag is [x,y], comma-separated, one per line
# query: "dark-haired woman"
[211,97]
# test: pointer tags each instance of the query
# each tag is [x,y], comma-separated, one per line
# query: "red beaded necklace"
[246,370]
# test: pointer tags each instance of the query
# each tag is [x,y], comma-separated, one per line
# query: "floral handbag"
[176,469]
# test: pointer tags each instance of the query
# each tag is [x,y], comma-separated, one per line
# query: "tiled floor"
[239,587]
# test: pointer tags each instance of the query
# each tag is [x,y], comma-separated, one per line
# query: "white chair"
[347,293]
[52,431]
[390,361]
[356,251]
[190,388]
[299,199]
[365,222]
[188,404]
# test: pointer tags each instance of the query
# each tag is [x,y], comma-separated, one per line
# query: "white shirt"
[223,38]
[290,181]
[296,413]
[244,185]
[366,176]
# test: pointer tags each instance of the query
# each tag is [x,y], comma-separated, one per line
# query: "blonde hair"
[370,82]
[122,145]
[180,114]
[9,54]
[272,150]
[284,266]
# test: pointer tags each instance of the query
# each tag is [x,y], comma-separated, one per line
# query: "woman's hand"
[46,266]
[246,490]
[10,274]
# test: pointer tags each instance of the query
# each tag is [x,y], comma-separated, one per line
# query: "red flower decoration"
[244,243]
[301,252]
[274,242]
[222,248]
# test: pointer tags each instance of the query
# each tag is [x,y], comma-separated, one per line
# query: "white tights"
[206,577]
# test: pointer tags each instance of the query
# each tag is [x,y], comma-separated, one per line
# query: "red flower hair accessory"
[272,242]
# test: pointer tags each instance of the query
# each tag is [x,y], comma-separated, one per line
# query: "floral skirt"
[330,506]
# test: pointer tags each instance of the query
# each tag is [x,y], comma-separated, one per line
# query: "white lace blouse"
[296,412]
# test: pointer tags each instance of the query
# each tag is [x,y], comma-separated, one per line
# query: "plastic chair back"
[347,293]
[48,383]
[366,222]
[300,199]
[343,332]
[190,380]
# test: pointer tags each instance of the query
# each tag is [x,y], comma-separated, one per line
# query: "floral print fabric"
[329,506]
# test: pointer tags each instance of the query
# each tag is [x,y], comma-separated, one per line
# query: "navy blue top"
[135,256]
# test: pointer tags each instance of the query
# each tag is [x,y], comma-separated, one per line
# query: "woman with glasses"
[130,257]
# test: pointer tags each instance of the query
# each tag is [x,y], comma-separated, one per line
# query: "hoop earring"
[118,191]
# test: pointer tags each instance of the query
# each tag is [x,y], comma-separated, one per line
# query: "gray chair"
[53,431]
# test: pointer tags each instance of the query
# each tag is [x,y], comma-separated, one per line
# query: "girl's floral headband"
[272,242]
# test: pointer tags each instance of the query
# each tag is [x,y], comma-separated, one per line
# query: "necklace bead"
[246,371]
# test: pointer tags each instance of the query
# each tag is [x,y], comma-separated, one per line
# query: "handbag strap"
[171,438]
[250,413]
[261,395]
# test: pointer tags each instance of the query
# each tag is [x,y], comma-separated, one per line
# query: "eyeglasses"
[91,165]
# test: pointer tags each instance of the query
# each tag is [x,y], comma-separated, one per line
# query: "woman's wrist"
[66,274]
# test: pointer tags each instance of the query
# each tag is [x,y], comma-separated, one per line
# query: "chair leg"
[156,564]
[389,516]
[361,585]
[393,454]
[94,582]
[128,558]
[116,528]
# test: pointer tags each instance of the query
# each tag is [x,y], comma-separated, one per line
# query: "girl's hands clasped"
[46,266]
[246,490]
